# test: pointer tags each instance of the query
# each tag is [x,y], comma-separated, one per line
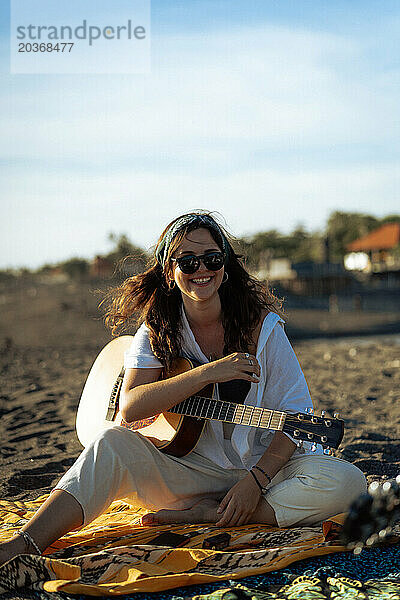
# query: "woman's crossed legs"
[121,464]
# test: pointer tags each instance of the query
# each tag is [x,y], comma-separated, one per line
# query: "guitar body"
[172,433]
[94,402]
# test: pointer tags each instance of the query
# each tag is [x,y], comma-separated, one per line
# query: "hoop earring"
[225,278]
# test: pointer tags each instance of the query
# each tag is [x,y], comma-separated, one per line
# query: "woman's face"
[203,284]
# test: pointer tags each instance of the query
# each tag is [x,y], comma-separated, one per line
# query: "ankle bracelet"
[28,539]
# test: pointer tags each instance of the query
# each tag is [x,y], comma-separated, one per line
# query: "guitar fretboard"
[229,412]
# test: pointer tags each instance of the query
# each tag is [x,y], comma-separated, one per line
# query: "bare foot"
[204,511]
[12,548]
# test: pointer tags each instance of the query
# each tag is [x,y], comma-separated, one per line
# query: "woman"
[197,300]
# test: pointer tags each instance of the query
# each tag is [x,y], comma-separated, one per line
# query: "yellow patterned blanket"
[115,555]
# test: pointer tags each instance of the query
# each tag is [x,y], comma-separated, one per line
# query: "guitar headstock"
[373,515]
[309,427]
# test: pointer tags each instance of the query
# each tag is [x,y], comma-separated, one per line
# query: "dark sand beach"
[51,334]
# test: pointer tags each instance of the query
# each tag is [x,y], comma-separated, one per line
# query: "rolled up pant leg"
[122,464]
[310,489]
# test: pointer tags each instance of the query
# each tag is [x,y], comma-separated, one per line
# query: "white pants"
[122,464]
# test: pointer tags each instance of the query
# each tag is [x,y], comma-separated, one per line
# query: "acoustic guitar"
[177,431]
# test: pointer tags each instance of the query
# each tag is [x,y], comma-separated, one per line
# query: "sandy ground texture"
[50,336]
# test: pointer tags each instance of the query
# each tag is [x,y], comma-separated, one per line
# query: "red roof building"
[385,237]
[381,248]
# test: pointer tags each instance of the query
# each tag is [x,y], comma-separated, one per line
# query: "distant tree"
[123,248]
[390,219]
[343,228]
[75,268]
[7,275]
[44,269]
[301,245]
[305,246]
[298,246]
[259,243]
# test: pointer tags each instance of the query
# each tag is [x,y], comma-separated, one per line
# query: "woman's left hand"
[237,507]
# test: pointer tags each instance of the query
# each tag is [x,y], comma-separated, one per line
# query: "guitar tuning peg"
[358,549]
[387,486]
[373,487]
[383,533]
[336,415]
[372,539]
[323,413]
[328,451]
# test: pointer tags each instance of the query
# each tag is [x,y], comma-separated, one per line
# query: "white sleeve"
[140,355]
[286,388]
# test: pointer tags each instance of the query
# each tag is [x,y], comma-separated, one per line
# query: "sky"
[273,113]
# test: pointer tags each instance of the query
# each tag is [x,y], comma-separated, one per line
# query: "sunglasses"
[213,261]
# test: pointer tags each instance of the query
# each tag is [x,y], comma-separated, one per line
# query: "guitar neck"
[229,412]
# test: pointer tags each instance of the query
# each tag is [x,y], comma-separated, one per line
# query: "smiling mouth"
[201,280]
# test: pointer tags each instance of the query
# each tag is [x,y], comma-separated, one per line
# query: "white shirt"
[281,387]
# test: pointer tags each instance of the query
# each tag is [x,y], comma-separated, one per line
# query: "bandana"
[192,219]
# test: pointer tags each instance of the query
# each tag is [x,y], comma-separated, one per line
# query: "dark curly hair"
[147,298]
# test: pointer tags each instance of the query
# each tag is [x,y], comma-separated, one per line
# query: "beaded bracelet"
[264,473]
[257,482]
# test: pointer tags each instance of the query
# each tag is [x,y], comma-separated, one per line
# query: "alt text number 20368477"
[28,47]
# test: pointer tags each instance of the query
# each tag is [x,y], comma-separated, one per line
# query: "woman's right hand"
[239,365]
